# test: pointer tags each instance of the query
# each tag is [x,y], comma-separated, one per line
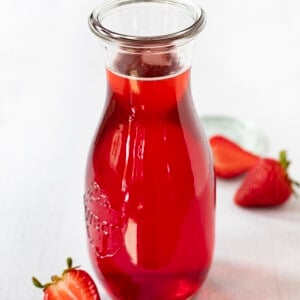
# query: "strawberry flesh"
[230,160]
[72,284]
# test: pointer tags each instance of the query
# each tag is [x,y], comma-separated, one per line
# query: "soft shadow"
[289,211]
[227,281]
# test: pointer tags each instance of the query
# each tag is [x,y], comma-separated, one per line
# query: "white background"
[52,88]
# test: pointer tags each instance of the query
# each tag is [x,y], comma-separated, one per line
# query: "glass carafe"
[150,185]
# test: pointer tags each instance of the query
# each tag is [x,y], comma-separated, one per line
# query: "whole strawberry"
[72,284]
[266,184]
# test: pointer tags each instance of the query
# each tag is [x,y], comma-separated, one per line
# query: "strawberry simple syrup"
[150,196]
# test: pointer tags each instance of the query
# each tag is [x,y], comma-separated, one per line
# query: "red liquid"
[150,197]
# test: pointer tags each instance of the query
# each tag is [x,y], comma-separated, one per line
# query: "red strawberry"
[72,284]
[230,160]
[266,184]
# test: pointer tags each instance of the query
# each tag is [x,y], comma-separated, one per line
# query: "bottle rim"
[169,40]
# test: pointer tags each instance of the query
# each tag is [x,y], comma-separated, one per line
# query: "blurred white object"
[244,133]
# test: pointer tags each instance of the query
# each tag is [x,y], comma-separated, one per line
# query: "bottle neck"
[144,62]
[148,80]
[151,96]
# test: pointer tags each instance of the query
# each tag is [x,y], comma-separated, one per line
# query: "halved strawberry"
[230,160]
[266,184]
[72,284]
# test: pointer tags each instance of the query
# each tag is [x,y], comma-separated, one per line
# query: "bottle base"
[158,287]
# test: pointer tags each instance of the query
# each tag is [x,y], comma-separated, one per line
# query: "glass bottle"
[150,185]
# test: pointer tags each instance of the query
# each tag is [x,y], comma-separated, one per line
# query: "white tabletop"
[52,88]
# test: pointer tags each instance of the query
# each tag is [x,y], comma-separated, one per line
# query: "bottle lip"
[142,41]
